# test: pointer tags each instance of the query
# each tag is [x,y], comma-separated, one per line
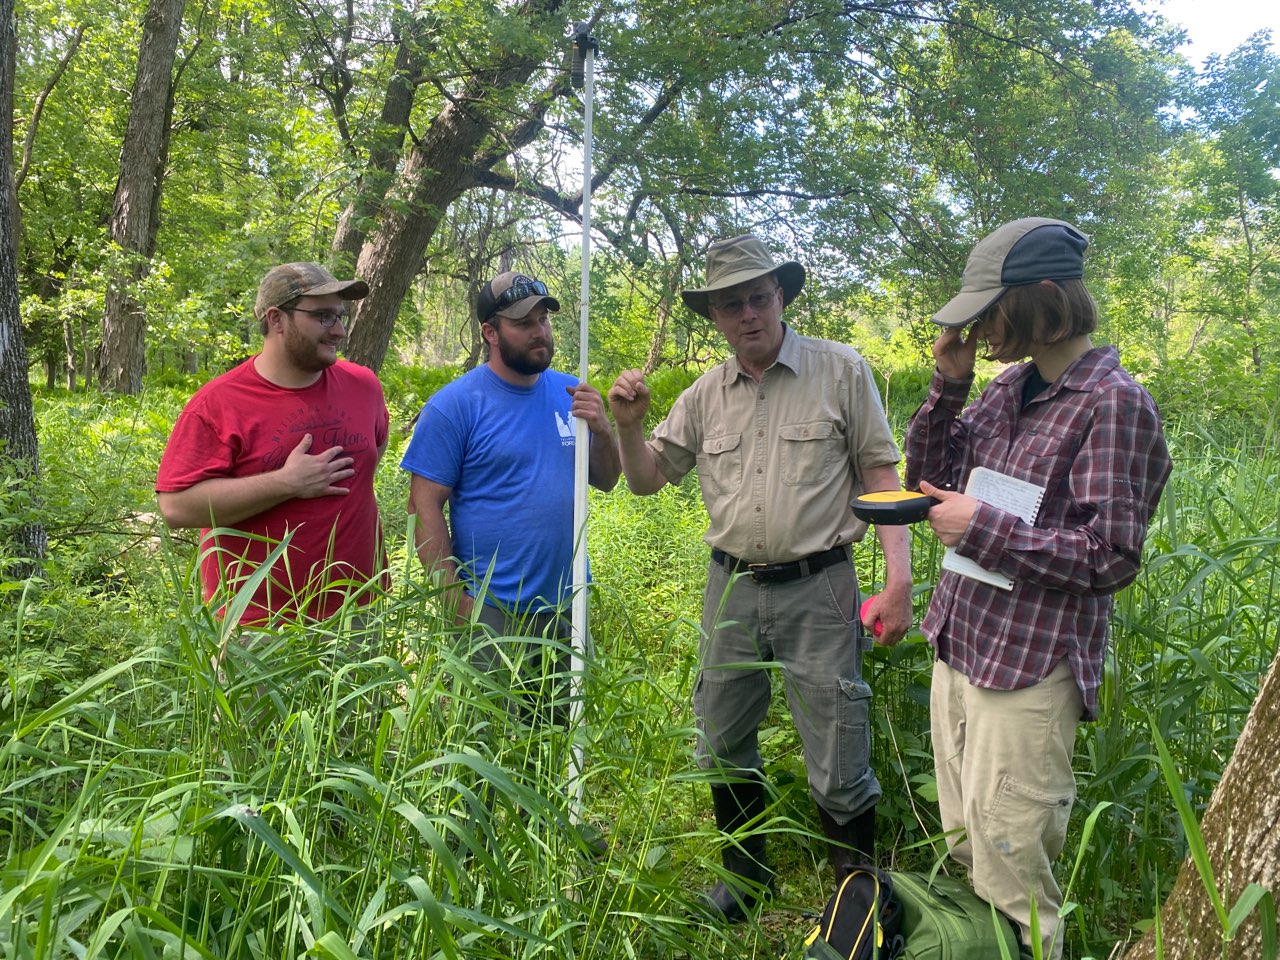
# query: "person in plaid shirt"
[1016,670]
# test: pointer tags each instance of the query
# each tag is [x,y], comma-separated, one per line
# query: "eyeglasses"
[326,318]
[515,293]
[735,308]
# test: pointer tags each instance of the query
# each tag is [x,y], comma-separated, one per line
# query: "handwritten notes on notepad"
[1004,493]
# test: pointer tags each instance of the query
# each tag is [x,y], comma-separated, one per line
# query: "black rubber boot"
[850,843]
[737,805]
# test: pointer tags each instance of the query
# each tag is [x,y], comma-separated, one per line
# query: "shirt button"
[757,509]
[759,433]
[759,469]
[759,546]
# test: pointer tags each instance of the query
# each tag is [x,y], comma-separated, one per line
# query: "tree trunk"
[17,417]
[69,364]
[384,151]
[1241,829]
[34,123]
[442,166]
[659,342]
[135,215]
[433,178]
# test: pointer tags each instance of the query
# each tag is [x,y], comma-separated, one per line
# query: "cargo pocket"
[1027,821]
[811,452]
[853,723]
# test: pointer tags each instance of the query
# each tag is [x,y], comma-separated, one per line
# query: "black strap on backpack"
[861,921]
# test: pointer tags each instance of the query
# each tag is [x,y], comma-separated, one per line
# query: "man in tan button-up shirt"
[783,434]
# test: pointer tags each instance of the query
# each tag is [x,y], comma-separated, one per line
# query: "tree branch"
[30,138]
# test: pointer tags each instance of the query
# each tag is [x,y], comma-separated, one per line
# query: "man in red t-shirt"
[286,443]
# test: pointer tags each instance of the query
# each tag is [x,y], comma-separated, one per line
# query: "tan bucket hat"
[740,260]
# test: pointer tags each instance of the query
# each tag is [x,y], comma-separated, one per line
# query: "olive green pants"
[807,630]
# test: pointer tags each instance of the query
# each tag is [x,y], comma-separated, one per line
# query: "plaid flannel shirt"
[1094,441]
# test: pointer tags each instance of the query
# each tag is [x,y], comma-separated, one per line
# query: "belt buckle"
[756,570]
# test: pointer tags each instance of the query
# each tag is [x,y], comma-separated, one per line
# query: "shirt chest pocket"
[1035,455]
[811,452]
[1045,456]
[720,463]
[985,431]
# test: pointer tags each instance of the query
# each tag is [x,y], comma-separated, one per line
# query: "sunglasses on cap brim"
[515,293]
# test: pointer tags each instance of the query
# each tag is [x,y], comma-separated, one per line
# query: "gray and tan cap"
[289,281]
[1022,252]
[741,260]
[489,301]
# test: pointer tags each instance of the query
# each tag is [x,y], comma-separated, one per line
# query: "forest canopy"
[426,145]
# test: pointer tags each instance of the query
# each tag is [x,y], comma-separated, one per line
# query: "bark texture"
[135,214]
[17,418]
[444,163]
[1241,829]
[385,147]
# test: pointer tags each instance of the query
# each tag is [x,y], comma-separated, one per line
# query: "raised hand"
[955,351]
[629,398]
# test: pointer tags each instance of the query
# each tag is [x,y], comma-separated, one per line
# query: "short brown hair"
[1046,312]
[287,307]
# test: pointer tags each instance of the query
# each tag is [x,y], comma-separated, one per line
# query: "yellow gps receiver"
[892,507]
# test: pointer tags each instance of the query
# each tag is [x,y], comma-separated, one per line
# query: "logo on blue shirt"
[566,430]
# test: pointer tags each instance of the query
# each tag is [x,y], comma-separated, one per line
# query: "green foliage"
[408,388]
[19,508]
[664,386]
[359,786]
[100,512]
[867,138]
[1218,379]
[362,788]
[310,796]
[1210,579]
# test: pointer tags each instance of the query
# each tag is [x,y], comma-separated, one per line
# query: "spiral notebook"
[1005,493]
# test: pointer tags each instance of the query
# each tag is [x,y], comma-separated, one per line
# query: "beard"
[305,353]
[522,361]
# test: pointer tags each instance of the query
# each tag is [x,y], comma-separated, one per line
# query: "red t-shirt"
[239,425]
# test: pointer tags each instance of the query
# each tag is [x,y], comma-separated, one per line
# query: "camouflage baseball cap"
[289,281]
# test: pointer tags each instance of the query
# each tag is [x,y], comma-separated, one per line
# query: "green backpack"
[943,919]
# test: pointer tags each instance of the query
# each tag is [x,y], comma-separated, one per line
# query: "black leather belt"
[781,572]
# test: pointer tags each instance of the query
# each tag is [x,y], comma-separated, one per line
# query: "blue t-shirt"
[507,453]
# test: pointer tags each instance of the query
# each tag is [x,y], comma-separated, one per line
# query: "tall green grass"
[352,790]
[1191,639]
[305,796]
[359,790]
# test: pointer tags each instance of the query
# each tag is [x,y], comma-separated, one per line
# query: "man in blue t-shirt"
[497,445]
